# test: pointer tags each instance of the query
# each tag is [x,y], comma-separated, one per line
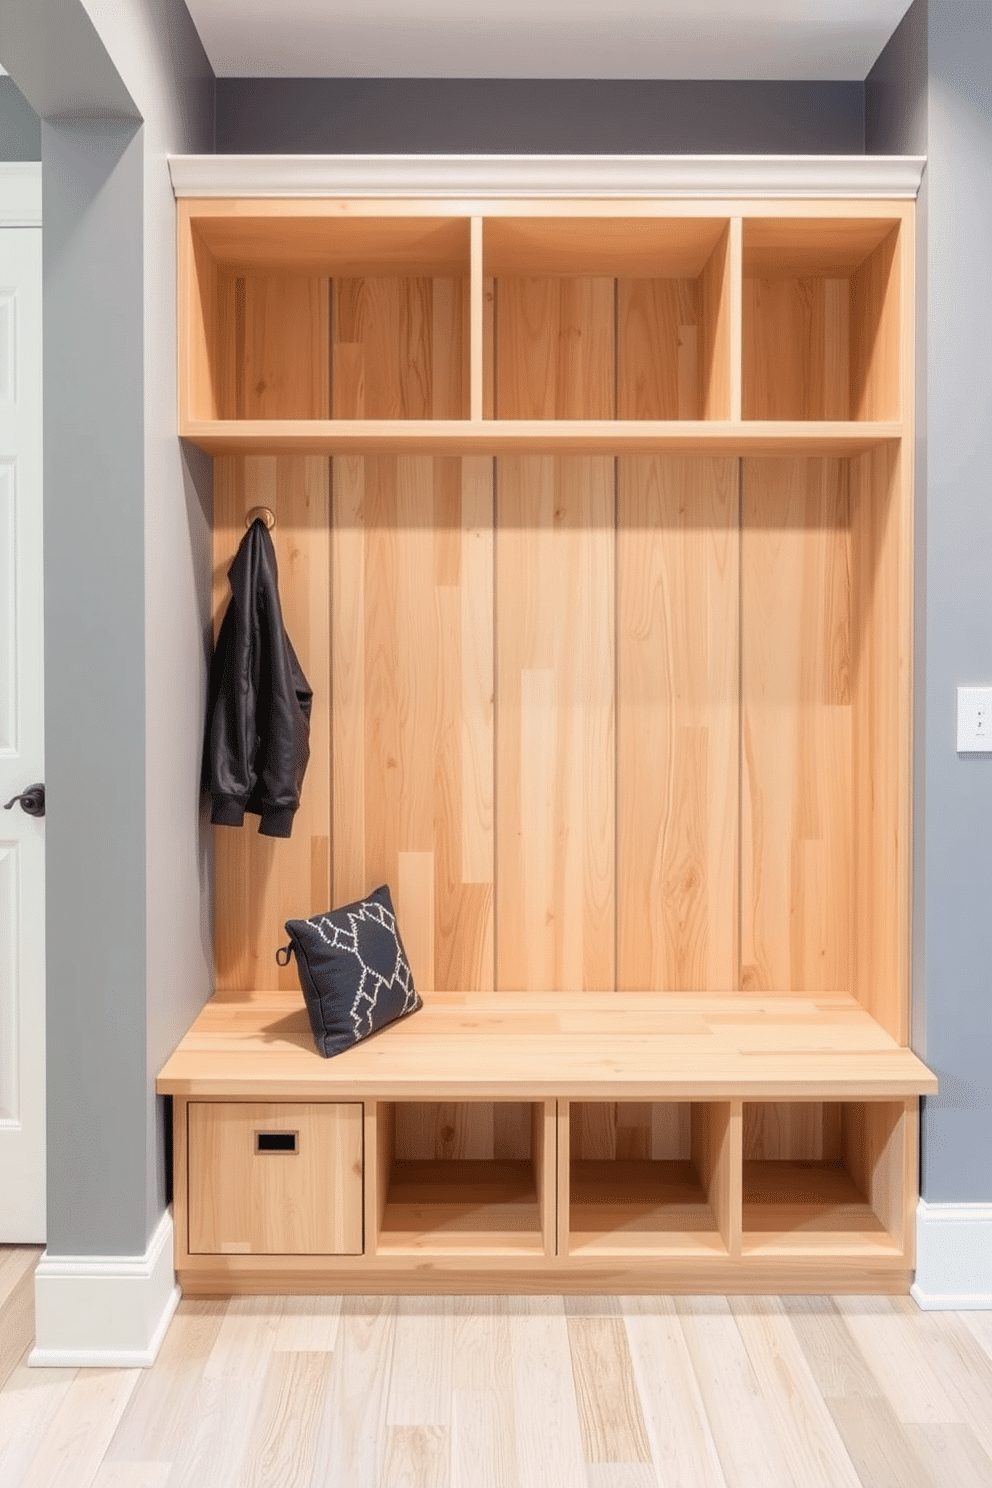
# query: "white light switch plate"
[975,720]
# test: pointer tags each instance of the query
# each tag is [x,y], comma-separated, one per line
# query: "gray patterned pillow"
[353,970]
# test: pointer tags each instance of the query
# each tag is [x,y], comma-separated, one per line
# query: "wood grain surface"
[555,348]
[399,348]
[555,678]
[796,827]
[678,580]
[412,621]
[260,882]
[859,1392]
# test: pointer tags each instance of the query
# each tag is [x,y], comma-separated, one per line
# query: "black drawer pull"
[276,1141]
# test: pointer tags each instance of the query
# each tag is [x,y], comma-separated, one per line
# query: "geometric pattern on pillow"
[351,938]
[353,971]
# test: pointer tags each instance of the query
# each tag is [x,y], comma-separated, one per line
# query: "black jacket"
[258,714]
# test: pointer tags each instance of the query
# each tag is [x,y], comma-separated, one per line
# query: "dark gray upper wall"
[20,127]
[896,90]
[341,116]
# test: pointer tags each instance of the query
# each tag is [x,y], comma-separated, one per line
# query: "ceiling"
[799,39]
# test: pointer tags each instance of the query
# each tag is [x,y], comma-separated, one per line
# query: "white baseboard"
[105,1311]
[953,1257]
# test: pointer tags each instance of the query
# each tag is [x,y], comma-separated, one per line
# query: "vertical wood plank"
[350,875]
[658,363]
[414,698]
[398,348]
[796,850]
[260,882]
[415,912]
[803,1131]
[796,345]
[554,348]
[273,340]
[678,579]
[555,723]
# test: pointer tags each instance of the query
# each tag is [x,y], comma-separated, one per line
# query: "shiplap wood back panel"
[412,704]
[796,851]
[555,681]
[273,335]
[399,348]
[260,882]
[660,358]
[678,576]
[555,348]
[598,722]
[796,348]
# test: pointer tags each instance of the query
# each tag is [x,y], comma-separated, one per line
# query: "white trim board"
[482,177]
[105,1311]
[20,193]
[953,1257]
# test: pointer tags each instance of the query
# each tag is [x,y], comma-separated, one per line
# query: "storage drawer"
[275,1179]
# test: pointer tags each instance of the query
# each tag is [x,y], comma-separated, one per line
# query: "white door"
[22,837]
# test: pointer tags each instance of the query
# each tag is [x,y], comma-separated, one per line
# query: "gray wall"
[543,116]
[127,585]
[958,809]
[931,92]
[20,127]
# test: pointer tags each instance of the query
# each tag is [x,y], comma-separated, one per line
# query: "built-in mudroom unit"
[593,510]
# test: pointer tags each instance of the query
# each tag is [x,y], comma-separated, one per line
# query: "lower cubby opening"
[463,1177]
[648,1177]
[824,1178]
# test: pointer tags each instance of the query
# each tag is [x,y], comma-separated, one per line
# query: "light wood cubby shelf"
[594,523]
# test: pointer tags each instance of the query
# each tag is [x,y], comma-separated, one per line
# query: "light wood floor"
[495,1392]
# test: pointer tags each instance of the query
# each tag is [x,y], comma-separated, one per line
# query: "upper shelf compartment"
[821,318]
[608,318]
[457,326]
[315,317]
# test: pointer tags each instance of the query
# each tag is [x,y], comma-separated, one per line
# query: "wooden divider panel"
[678,578]
[876,363]
[881,586]
[555,723]
[260,882]
[796,851]
[412,704]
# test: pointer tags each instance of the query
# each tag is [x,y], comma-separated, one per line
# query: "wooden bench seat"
[773,1146]
[530,1045]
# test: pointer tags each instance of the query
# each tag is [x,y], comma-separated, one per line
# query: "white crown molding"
[953,1257]
[20,193]
[482,177]
[105,1311]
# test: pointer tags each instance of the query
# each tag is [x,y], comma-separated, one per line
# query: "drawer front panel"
[273,1179]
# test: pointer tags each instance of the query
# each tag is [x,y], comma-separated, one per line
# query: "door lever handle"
[32,800]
